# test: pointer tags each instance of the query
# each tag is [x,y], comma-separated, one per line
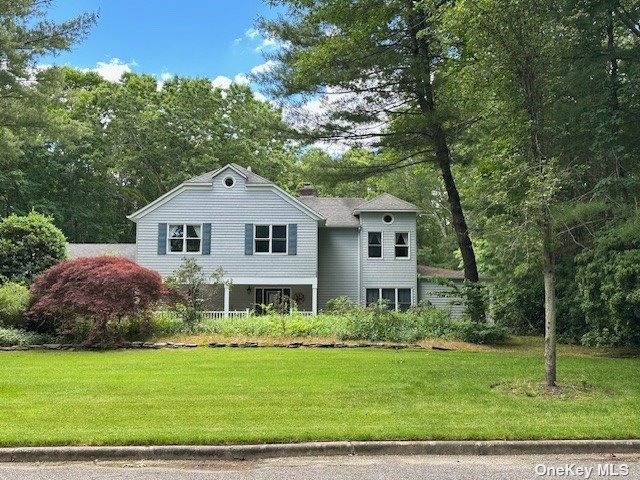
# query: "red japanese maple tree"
[99,289]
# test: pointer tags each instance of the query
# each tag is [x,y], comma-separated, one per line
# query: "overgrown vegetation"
[347,322]
[14,299]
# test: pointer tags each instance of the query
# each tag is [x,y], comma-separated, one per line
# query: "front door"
[278,297]
[272,296]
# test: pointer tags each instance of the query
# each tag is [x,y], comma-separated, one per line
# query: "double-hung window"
[375,244]
[185,238]
[402,245]
[270,239]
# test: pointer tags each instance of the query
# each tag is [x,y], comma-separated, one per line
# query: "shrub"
[189,283]
[14,299]
[10,337]
[608,279]
[28,246]
[372,324]
[341,305]
[90,297]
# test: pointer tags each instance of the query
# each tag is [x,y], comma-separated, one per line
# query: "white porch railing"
[241,313]
[221,313]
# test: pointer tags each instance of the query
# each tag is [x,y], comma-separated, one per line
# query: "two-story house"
[271,244]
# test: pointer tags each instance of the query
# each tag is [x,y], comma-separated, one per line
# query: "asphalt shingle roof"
[387,203]
[338,211]
[126,250]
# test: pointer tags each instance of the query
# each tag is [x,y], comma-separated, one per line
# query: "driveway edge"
[271,450]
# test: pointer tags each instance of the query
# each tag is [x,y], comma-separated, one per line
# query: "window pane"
[176,245]
[402,239]
[373,295]
[402,252]
[176,231]
[404,295]
[286,292]
[193,245]
[279,231]
[262,231]
[262,246]
[375,252]
[259,296]
[375,238]
[389,297]
[279,246]
[193,231]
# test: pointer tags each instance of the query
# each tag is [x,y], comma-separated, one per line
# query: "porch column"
[314,299]
[226,300]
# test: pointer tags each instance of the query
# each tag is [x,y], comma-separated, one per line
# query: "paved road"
[341,468]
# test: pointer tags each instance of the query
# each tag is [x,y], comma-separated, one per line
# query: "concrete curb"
[251,452]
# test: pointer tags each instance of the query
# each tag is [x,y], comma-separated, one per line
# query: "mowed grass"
[217,396]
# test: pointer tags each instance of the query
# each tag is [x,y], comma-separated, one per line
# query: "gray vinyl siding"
[388,271]
[228,210]
[337,264]
[429,291]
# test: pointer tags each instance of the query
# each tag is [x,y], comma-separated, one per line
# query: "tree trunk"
[549,275]
[459,222]
[534,106]
[425,97]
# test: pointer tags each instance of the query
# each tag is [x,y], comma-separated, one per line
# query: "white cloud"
[317,111]
[221,82]
[241,79]
[252,33]
[260,97]
[267,44]
[263,67]
[112,70]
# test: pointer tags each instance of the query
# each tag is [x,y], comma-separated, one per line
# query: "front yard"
[212,396]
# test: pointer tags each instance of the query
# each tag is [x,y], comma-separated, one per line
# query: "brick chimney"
[307,190]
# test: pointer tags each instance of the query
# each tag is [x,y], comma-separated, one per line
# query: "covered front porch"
[259,296]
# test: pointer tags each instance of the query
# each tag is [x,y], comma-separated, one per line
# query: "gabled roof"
[386,203]
[126,250]
[338,211]
[251,178]
[206,179]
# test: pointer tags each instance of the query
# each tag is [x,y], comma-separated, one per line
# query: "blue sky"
[214,38]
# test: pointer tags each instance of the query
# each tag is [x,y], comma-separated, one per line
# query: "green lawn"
[212,396]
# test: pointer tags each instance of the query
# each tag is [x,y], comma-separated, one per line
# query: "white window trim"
[270,252]
[184,239]
[393,219]
[396,289]
[395,245]
[381,257]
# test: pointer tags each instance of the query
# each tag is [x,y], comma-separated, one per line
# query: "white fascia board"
[313,281]
[222,169]
[164,198]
